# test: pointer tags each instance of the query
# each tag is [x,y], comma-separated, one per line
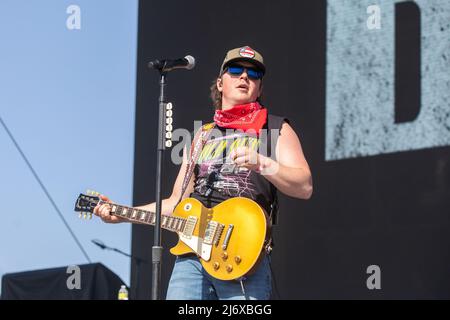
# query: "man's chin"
[243,98]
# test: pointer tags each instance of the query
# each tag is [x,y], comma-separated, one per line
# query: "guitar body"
[237,229]
[229,239]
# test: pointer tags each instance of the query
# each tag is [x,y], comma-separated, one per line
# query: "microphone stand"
[163,66]
[137,260]
[157,248]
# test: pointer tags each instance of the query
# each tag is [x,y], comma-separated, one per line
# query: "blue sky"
[68,97]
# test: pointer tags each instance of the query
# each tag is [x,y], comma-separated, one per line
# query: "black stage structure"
[390,210]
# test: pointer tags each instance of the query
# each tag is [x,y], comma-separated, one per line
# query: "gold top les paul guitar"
[229,238]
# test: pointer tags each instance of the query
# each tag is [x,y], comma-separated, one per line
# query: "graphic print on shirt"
[216,170]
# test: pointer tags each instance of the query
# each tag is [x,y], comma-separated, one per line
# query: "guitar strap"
[196,148]
[274,123]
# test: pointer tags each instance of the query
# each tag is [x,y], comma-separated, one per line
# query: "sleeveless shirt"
[217,178]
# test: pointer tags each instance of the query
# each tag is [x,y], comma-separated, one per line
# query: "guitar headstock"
[86,203]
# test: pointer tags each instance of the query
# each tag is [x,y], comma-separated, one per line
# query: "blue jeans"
[189,281]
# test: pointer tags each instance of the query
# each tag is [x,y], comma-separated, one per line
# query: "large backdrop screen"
[366,86]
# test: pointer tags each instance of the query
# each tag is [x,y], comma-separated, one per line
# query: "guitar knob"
[224,255]
[216,266]
[238,259]
[229,268]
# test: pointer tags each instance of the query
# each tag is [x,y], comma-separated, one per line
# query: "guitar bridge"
[227,237]
[219,232]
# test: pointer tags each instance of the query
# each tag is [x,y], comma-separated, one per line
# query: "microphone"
[166,65]
[99,243]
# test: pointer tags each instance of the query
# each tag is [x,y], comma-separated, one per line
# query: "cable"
[243,289]
[45,190]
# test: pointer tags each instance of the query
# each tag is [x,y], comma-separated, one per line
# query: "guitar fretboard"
[170,223]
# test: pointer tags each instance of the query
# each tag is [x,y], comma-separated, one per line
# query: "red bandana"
[250,116]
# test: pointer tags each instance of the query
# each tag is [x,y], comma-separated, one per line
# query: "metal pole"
[157,248]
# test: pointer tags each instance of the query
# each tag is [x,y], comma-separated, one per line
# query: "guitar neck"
[171,223]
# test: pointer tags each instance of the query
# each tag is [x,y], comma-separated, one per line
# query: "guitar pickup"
[189,227]
[210,232]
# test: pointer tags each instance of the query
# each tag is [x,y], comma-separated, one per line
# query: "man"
[232,165]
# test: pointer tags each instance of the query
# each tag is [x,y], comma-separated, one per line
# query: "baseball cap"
[244,54]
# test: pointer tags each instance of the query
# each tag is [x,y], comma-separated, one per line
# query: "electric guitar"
[229,238]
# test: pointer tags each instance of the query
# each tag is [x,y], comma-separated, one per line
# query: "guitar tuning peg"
[88,191]
[80,214]
[84,215]
[89,216]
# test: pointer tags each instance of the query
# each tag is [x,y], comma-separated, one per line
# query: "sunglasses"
[252,73]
